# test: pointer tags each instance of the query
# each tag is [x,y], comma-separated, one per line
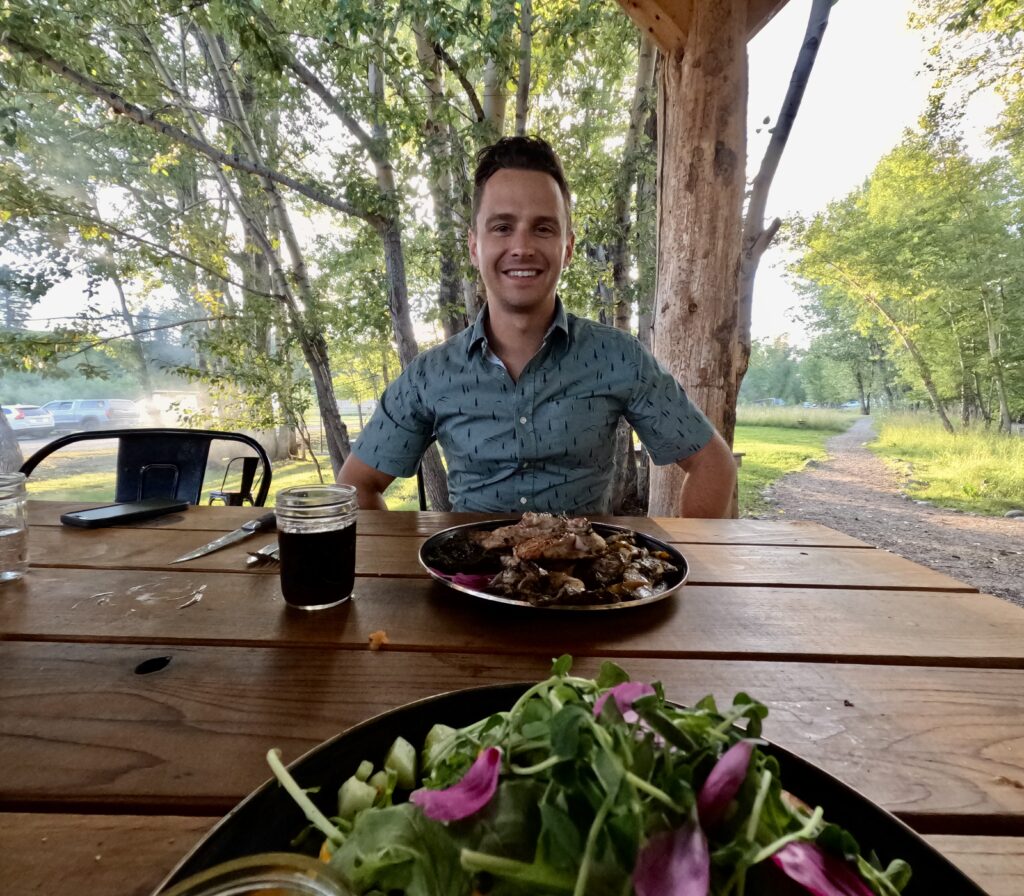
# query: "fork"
[266,554]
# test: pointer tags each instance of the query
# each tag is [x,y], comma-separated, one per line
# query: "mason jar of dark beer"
[316,535]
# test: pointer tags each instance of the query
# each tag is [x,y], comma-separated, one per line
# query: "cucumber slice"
[402,758]
[354,796]
[364,771]
[437,738]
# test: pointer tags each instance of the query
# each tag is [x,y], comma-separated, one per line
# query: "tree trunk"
[997,365]
[311,340]
[626,492]
[645,232]
[701,169]
[923,367]
[439,177]
[135,341]
[525,54]
[11,458]
[982,406]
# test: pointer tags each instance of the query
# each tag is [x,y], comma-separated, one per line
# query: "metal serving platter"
[268,819]
[431,546]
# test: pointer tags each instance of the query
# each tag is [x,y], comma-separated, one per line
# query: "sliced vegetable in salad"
[590,787]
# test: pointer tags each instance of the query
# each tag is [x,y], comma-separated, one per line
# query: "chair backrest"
[160,463]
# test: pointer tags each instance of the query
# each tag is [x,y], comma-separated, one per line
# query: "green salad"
[595,787]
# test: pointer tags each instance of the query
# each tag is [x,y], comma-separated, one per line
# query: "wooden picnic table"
[138,699]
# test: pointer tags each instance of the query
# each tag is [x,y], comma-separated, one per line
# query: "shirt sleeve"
[400,429]
[670,426]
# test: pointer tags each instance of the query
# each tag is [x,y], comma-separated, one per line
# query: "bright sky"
[866,87]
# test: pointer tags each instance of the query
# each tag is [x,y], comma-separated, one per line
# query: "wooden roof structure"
[668,21]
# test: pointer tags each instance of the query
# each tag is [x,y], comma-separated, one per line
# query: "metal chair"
[244,493]
[160,463]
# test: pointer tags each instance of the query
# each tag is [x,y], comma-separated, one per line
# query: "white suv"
[28,420]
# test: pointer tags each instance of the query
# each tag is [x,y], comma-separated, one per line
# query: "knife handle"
[267,521]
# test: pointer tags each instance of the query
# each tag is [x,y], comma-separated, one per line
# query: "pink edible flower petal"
[818,872]
[470,795]
[624,695]
[673,863]
[723,783]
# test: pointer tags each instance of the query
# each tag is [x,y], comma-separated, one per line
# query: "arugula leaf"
[399,848]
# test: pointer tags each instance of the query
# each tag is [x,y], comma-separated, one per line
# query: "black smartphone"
[116,514]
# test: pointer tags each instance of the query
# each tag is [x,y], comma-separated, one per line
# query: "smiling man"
[525,403]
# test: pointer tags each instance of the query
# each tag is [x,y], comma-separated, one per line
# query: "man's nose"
[522,244]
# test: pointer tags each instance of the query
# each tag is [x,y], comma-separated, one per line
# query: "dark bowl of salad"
[573,785]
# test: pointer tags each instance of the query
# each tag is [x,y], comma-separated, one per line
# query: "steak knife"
[261,524]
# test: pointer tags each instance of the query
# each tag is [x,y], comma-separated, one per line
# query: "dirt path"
[855,492]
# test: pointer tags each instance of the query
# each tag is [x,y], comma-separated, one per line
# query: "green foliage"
[923,265]
[975,470]
[774,372]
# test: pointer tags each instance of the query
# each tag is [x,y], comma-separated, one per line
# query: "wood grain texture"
[379,522]
[781,565]
[995,863]
[92,855]
[784,624]
[79,728]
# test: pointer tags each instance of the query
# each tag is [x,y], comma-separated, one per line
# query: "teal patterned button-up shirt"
[544,443]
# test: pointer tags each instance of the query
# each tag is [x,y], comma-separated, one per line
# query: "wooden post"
[701,172]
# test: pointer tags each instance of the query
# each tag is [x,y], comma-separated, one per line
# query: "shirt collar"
[479,334]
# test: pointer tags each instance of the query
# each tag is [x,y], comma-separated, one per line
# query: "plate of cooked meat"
[555,562]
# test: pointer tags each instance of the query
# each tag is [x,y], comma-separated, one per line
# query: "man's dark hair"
[521,153]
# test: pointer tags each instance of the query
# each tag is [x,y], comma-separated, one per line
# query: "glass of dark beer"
[316,535]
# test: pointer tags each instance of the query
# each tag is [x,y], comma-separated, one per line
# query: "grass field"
[973,470]
[776,441]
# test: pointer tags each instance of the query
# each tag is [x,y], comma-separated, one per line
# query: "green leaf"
[562,666]
[610,675]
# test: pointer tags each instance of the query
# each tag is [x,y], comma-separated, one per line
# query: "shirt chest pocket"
[578,429]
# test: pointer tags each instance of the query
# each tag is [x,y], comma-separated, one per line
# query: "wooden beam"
[668,21]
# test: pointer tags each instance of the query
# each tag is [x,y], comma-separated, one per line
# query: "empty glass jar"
[13,527]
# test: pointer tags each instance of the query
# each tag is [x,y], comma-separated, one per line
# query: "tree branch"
[165,250]
[309,78]
[467,85]
[142,117]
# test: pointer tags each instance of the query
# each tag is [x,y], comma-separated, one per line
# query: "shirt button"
[522,419]
[522,500]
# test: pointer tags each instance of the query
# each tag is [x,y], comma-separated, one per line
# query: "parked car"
[850,406]
[93,413]
[28,420]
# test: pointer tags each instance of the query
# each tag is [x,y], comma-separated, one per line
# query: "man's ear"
[471,238]
[570,244]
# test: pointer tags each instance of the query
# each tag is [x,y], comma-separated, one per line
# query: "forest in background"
[275,192]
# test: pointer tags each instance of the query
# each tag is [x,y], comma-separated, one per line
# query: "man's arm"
[369,482]
[710,480]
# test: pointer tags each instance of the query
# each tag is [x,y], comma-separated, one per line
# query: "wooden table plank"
[995,863]
[932,628]
[378,522]
[130,854]
[710,564]
[92,855]
[80,729]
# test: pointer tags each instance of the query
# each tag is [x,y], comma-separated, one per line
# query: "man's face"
[521,239]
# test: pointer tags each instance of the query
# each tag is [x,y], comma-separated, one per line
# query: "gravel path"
[857,493]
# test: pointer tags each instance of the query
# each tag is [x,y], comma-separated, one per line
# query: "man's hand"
[710,480]
[369,482]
